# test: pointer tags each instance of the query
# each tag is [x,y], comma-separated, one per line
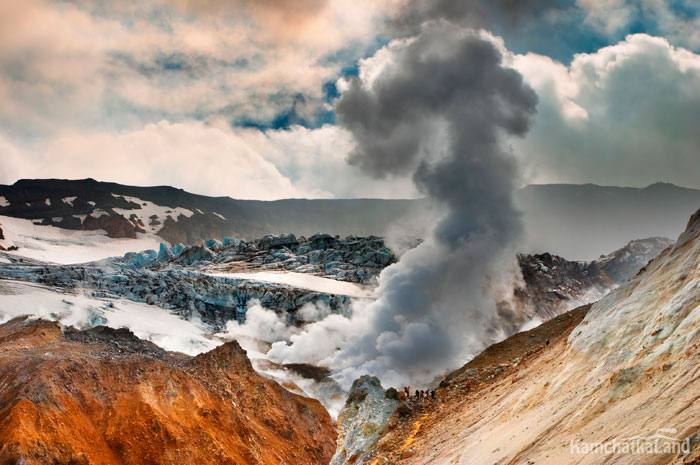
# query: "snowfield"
[304,281]
[83,311]
[63,246]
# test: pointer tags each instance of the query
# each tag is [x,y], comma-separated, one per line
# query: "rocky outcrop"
[115,225]
[362,420]
[552,284]
[103,396]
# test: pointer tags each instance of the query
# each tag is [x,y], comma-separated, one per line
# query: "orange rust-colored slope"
[103,396]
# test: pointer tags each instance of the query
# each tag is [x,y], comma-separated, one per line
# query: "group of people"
[420,393]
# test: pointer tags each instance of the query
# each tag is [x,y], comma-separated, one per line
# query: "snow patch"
[63,246]
[69,200]
[91,203]
[152,215]
[47,202]
[98,212]
[220,216]
[3,201]
[304,281]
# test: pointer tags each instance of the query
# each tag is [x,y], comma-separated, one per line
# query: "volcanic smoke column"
[436,107]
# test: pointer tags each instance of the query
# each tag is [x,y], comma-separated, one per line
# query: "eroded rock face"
[103,396]
[553,284]
[366,414]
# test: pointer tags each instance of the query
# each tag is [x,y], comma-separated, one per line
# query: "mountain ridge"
[575,221]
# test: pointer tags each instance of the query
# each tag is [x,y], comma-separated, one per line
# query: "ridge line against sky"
[238,97]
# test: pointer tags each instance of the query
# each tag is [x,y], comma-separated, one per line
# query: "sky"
[241,97]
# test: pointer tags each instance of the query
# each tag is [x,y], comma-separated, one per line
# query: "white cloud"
[85,65]
[190,155]
[615,16]
[205,159]
[624,115]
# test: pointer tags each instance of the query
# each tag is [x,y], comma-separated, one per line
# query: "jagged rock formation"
[553,284]
[620,386]
[362,420]
[103,396]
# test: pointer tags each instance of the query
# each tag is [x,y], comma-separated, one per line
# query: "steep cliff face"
[103,396]
[619,385]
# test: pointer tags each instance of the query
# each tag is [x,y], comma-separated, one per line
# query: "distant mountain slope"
[575,221]
[553,284]
[178,216]
[581,221]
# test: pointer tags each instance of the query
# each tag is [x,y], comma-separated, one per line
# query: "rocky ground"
[103,396]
